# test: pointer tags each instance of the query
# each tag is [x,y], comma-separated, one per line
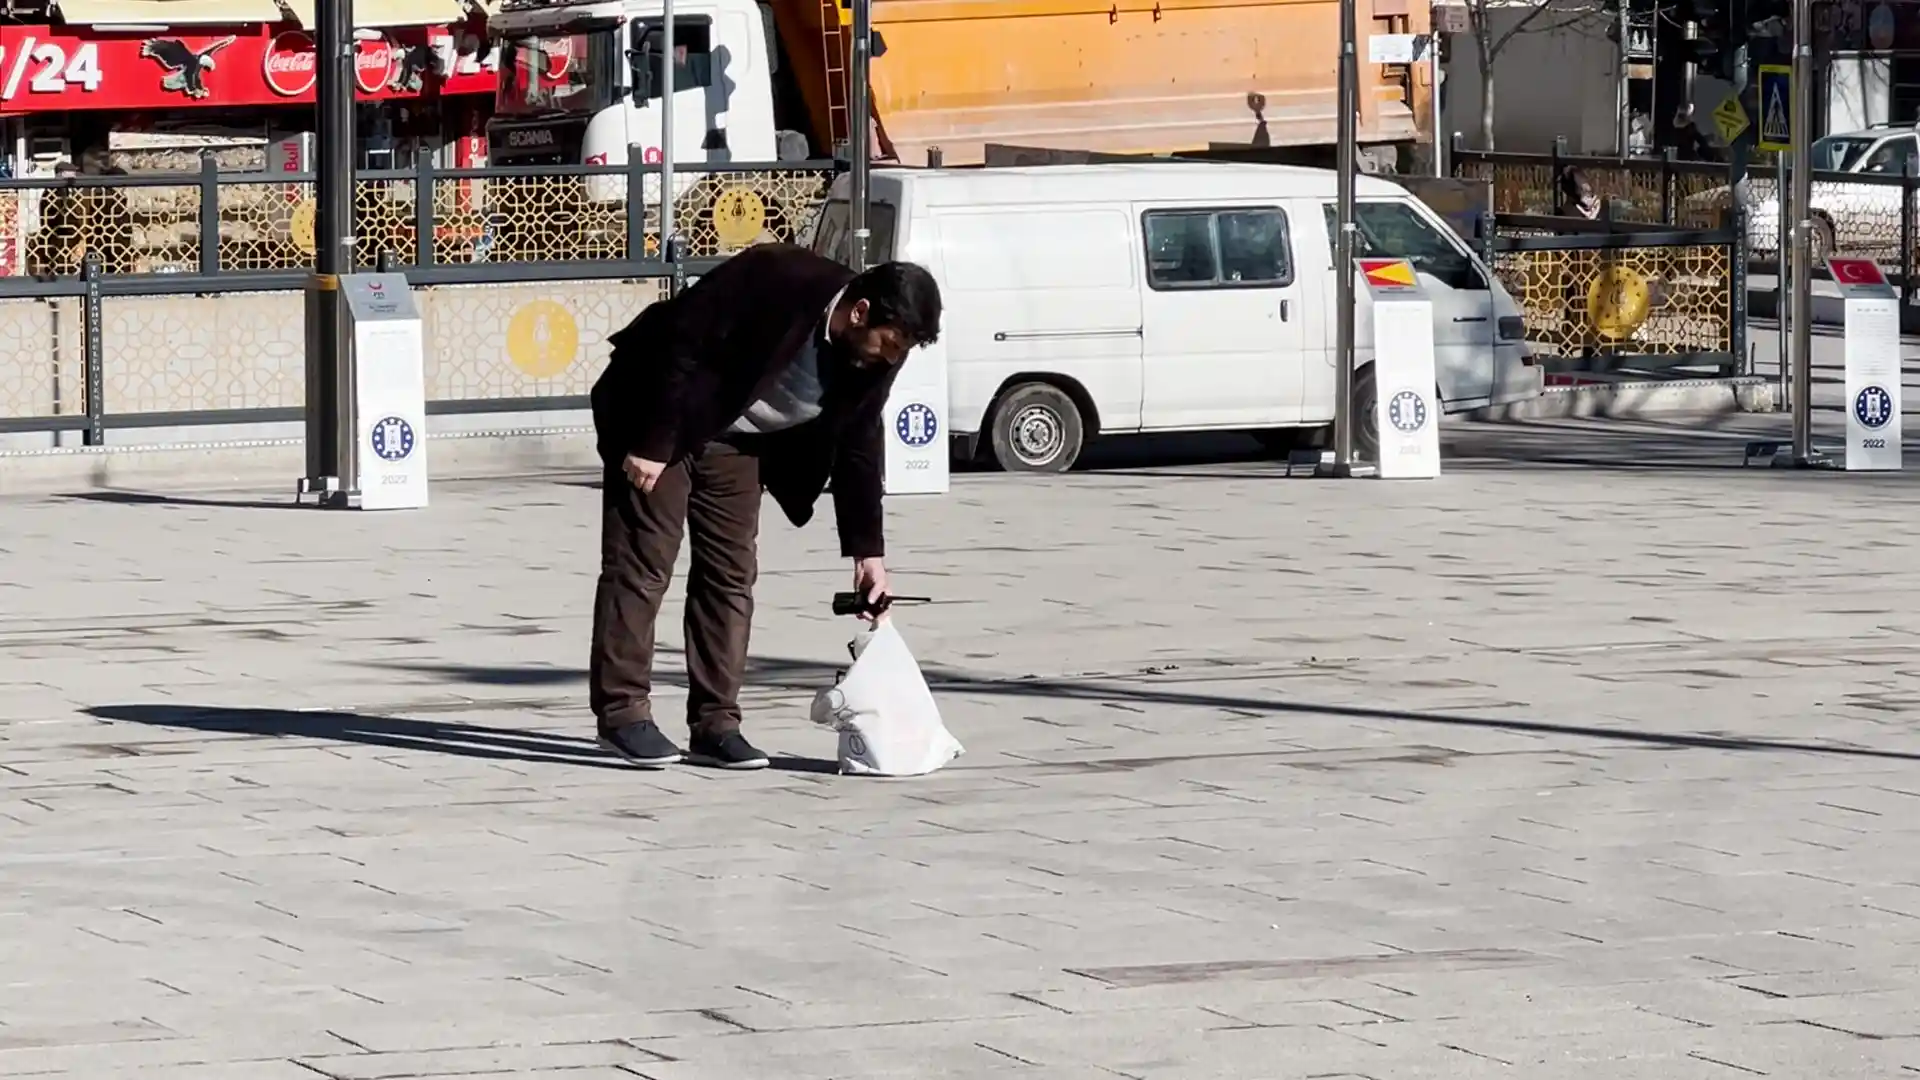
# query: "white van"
[1086,300]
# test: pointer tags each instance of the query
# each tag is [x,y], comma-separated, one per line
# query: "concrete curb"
[1635,400]
[270,463]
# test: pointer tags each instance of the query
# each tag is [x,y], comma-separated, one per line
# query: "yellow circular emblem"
[1618,302]
[300,225]
[542,339]
[739,216]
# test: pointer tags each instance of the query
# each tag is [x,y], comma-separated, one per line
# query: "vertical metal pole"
[669,238]
[96,433]
[1433,72]
[859,132]
[1783,260]
[329,407]
[1348,134]
[1621,95]
[1800,124]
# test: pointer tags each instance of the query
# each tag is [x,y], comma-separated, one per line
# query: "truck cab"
[581,83]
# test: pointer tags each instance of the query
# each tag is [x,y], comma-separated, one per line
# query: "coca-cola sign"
[374,60]
[291,64]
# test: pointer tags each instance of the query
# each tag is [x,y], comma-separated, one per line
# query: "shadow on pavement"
[428,736]
[147,498]
[783,673]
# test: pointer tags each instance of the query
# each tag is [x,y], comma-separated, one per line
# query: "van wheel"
[1366,419]
[1037,429]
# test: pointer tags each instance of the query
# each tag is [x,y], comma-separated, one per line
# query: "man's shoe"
[641,743]
[728,750]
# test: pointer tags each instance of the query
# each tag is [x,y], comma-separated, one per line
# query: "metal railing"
[466,225]
[1856,215]
[1608,296]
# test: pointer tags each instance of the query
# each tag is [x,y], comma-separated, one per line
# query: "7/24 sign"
[46,67]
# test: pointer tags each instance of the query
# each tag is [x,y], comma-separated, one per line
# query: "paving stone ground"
[1531,771]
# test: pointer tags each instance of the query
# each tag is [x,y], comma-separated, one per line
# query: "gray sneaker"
[641,743]
[728,750]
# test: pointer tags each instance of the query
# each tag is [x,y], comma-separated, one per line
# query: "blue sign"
[1776,108]
[917,425]
[1407,411]
[1873,407]
[392,439]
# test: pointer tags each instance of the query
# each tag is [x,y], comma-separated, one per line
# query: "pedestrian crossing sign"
[1776,108]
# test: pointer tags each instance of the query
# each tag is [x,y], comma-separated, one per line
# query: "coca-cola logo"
[373,63]
[291,64]
[526,137]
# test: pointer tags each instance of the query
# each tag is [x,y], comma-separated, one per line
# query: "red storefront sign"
[54,69]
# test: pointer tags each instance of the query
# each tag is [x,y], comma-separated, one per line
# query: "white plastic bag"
[884,712]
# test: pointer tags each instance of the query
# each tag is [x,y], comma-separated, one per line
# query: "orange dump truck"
[756,80]
[1108,76]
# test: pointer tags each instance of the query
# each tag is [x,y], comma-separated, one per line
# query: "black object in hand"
[853,603]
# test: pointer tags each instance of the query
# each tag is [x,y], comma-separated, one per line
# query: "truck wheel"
[1037,429]
[1366,421]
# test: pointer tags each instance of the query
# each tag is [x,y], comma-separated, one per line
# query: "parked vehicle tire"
[1824,240]
[1366,420]
[1037,428]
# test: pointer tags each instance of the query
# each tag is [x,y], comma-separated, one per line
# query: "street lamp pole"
[330,441]
[859,132]
[1800,125]
[669,69]
[1346,164]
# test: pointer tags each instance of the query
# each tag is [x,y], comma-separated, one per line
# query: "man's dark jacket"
[684,371]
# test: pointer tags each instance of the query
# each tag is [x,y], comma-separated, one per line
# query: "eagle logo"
[184,66]
[416,63]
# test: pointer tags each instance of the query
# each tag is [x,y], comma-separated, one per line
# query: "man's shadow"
[397,733]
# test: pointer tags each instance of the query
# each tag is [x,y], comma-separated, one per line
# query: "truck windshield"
[551,71]
[1393,230]
[1839,153]
[832,238]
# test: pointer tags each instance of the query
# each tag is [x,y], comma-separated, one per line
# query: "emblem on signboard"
[1873,407]
[185,67]
[916,425]
[1618,301]
[542,339]
[392,439]
[739,215]
[1407,411]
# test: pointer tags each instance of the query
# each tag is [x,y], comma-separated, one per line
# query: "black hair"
[902,295]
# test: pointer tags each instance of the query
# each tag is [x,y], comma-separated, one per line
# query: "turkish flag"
[1856,272]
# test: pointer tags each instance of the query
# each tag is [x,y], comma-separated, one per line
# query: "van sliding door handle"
[1463,318]
[1286,310]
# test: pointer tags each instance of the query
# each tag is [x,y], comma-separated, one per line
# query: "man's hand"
[870,581]
[642,472]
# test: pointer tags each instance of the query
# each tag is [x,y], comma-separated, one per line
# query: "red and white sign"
[292,64]
[56,69]
[1857,273]
[374,62]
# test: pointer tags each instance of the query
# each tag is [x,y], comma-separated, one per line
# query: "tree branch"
[1573,16]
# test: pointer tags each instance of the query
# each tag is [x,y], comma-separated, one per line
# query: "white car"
[1856,218]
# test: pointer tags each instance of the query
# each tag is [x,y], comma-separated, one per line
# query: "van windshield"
[1393,230]
[831,236]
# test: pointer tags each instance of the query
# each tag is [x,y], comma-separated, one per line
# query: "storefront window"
[546,73]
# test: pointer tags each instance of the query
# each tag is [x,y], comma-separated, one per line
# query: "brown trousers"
[716,497]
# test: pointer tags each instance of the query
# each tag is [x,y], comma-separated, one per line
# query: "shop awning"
[373,14]
[167,12]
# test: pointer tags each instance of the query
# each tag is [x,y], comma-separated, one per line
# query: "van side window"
[1392,230]
[1197,249]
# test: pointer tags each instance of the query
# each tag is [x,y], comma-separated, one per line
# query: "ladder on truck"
[836,24]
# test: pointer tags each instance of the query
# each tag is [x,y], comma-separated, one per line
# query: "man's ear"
[857,314]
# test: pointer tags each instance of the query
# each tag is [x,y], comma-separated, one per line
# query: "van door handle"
[1463,318]
[1286,310]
